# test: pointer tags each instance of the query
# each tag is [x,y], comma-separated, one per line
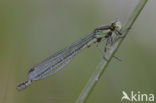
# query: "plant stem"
[110,53]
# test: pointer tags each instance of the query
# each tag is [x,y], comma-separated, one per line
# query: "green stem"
[110,53]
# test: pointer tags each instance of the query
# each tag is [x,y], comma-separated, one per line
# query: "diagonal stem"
[110,53]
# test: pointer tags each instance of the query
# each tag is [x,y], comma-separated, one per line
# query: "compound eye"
[118,25]
[113,25]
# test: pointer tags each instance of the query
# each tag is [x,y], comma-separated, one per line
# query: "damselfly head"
[116,25]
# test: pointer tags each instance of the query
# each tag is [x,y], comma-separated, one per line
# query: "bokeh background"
[32,30]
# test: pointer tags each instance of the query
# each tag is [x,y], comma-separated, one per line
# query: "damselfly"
[57,61]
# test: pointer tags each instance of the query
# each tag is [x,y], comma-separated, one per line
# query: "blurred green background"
[32,30]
